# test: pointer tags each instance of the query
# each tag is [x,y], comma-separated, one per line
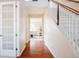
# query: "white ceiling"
[39,3]
[34,8]
[37,8]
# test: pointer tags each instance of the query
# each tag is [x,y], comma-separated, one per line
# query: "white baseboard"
[23,48]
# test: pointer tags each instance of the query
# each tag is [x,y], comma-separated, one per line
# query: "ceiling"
[37,8]
[34,8]
[39,3]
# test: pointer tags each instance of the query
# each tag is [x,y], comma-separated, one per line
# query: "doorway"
[36,28]
[36,33]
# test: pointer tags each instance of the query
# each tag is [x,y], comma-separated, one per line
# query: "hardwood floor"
[36,49]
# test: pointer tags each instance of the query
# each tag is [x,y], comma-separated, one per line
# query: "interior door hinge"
[16,49]
[16,6]
[16,35]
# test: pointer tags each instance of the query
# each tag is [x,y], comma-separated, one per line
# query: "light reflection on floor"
[36,45]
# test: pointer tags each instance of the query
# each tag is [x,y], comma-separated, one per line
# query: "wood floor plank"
[36,50]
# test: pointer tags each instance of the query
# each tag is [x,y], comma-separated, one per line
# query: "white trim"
[50,51]
[17,28]
[0,28]
[22,50]
[14,26]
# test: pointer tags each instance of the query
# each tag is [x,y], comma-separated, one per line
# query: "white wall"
[55,40]
[53,11]
[22,26]
[28,29]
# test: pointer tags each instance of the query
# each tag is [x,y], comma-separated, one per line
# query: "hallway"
[36,49]
[39,29]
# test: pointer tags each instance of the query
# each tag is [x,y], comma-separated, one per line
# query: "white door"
[7,29]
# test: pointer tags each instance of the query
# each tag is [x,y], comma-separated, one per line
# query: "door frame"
[39,16]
